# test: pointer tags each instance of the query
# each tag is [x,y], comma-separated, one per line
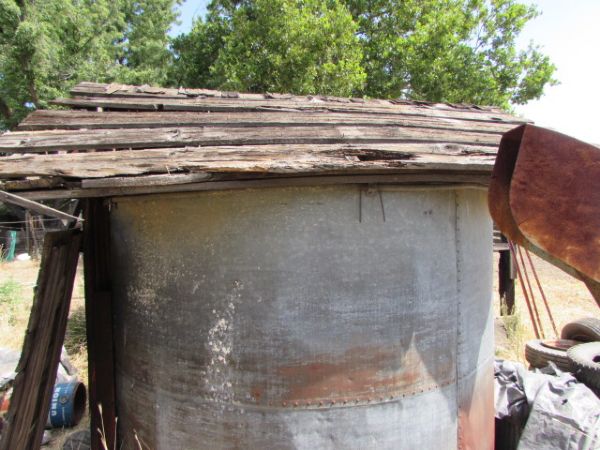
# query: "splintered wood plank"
[113,90]
[36,371]
[259,159]
[80,119]
[217,104]
[65,140]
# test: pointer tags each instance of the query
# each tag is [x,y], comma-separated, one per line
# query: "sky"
[569,33]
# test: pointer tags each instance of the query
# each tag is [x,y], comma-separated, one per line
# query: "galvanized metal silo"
[344,316]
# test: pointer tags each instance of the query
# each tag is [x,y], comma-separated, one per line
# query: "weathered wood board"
[235,105]
[44,338]
[66,140]
[259,159]
[152,134]
[82,119]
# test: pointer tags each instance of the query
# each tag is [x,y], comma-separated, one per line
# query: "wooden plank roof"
[124,138]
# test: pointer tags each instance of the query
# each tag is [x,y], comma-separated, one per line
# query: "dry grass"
[568,299]
[17,280]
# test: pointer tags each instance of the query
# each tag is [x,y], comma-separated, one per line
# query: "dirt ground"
[568,299]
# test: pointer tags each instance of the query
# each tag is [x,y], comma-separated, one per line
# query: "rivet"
[284,403]
[295,403]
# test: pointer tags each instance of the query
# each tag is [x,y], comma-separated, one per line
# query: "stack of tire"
[577,351]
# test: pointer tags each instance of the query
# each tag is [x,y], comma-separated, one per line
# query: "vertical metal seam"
[457,243]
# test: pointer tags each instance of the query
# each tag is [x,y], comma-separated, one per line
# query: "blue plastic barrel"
[67,404]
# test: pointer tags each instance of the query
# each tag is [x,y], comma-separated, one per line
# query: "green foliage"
[10,300]
[197,51]
[305,47]
[144,55]
[439,50]
[46,46]
[10,292]
[450,50]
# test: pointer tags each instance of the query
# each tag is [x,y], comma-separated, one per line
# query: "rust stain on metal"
[361,374]
[545,193]
[256,393]
[476,408]
[499,203]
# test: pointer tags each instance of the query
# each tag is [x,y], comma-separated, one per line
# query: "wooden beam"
[166,137]
[257,159]
[79,119]
[405,179]
[156,94]
[99,324]
[44,338]
[156,103]
[148,180]
[35,206]
[506,280]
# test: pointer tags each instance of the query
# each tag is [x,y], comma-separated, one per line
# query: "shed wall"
[304,317]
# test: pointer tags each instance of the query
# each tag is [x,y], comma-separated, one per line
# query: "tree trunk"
[5,109]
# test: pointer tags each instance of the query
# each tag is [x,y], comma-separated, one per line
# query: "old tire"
[585,359]
[539,352]
[584,330]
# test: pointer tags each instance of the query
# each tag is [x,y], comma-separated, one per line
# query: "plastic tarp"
[559,412]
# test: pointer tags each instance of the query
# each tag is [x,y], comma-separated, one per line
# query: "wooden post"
[99,323]
[36,372]
[506,282]
[28,232]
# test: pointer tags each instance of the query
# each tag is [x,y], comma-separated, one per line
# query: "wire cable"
[531,315]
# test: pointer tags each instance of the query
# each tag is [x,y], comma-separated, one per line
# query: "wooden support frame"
[44,338]
[99,323]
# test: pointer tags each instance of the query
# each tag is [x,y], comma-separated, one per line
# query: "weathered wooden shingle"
[115,131]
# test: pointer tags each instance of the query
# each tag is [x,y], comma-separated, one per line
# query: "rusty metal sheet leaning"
[545,195]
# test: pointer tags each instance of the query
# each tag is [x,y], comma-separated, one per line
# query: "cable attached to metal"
[537,280]
[525,294]
[533,302]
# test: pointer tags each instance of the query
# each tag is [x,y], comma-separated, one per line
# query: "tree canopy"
[450,50]
[305,47]
[48,45]
[438,50]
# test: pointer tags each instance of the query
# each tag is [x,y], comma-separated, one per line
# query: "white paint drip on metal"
[219,346]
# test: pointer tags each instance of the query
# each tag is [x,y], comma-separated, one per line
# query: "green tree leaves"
[305,47]
[46,46]
[450,50]
[439,50]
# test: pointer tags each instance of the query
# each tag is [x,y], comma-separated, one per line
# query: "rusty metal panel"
[544,195]
[299,317]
